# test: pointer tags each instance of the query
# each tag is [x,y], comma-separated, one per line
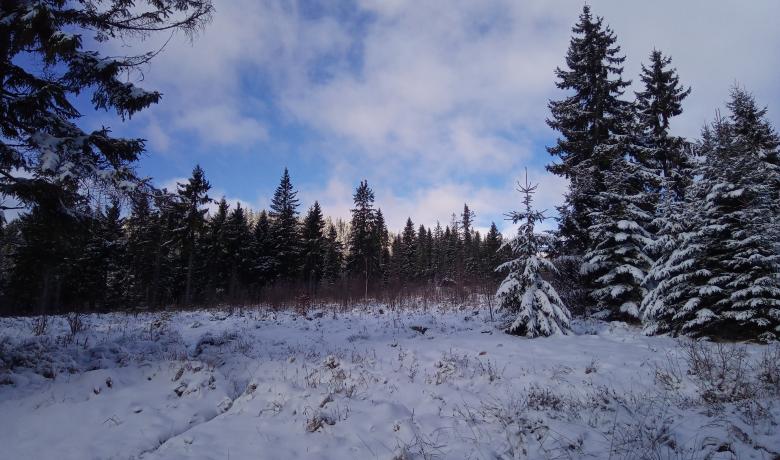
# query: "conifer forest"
[455,249]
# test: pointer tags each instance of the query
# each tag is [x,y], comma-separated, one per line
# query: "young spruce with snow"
[537,309]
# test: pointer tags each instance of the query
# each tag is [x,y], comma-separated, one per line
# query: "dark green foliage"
[46,159]
[722,278]
[364,249]
[314,246]
[264,262]
[660,101]
[593,115]
[285,229]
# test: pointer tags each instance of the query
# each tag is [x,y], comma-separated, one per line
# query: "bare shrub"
[669,375]
[419,446]
[40,324]
[721,372]
[490,370]
[75,323]
[318,421]
[768,369]
[543,399]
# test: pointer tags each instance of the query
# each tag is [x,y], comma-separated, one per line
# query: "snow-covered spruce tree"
[723,279]
[755,132]
[46,159]
[616,261]
[674,252]
[592,115]
[525,295]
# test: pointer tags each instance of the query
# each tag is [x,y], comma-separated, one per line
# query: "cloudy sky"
[435,103]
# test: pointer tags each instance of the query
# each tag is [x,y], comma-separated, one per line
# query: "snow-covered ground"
[363,384]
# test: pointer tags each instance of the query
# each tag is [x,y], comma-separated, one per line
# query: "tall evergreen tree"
[238,251]
[167,229]
[264,261]
[141,231]
[594,114]
[424,252]
[492,249]
[44,260]
[218,264]
[114,243]
[438,252]
[334,256]
[409,252]
[363,258]
[314,246]
[285,231]
[658,102]
[381,243]
[469,253]
[193,197]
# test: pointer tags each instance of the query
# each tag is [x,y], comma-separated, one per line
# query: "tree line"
[168,249]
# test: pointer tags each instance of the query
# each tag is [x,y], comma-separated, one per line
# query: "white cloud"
[431,101]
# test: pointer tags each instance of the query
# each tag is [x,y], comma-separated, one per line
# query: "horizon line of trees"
[167,249]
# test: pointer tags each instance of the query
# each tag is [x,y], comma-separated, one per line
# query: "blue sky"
[435,103]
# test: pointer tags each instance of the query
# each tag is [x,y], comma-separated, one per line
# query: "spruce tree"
[723,279]
[381,244]
[238,246]
[50,245]
[114,243]
[142,236]
[424,252]
[363,258]
[396,259]
[264,264]
[409,253]
[167,229]
[285,231]
[218,264]
[593,115]
[617,261]
[492,253]
[438,252]
[314,246]
[468,256]
[658,102]
[532,304]
[333,258]
[191,212]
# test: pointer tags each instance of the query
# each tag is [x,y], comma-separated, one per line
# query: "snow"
[355,384]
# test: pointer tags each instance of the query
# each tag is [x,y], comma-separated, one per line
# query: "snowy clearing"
[365,384]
